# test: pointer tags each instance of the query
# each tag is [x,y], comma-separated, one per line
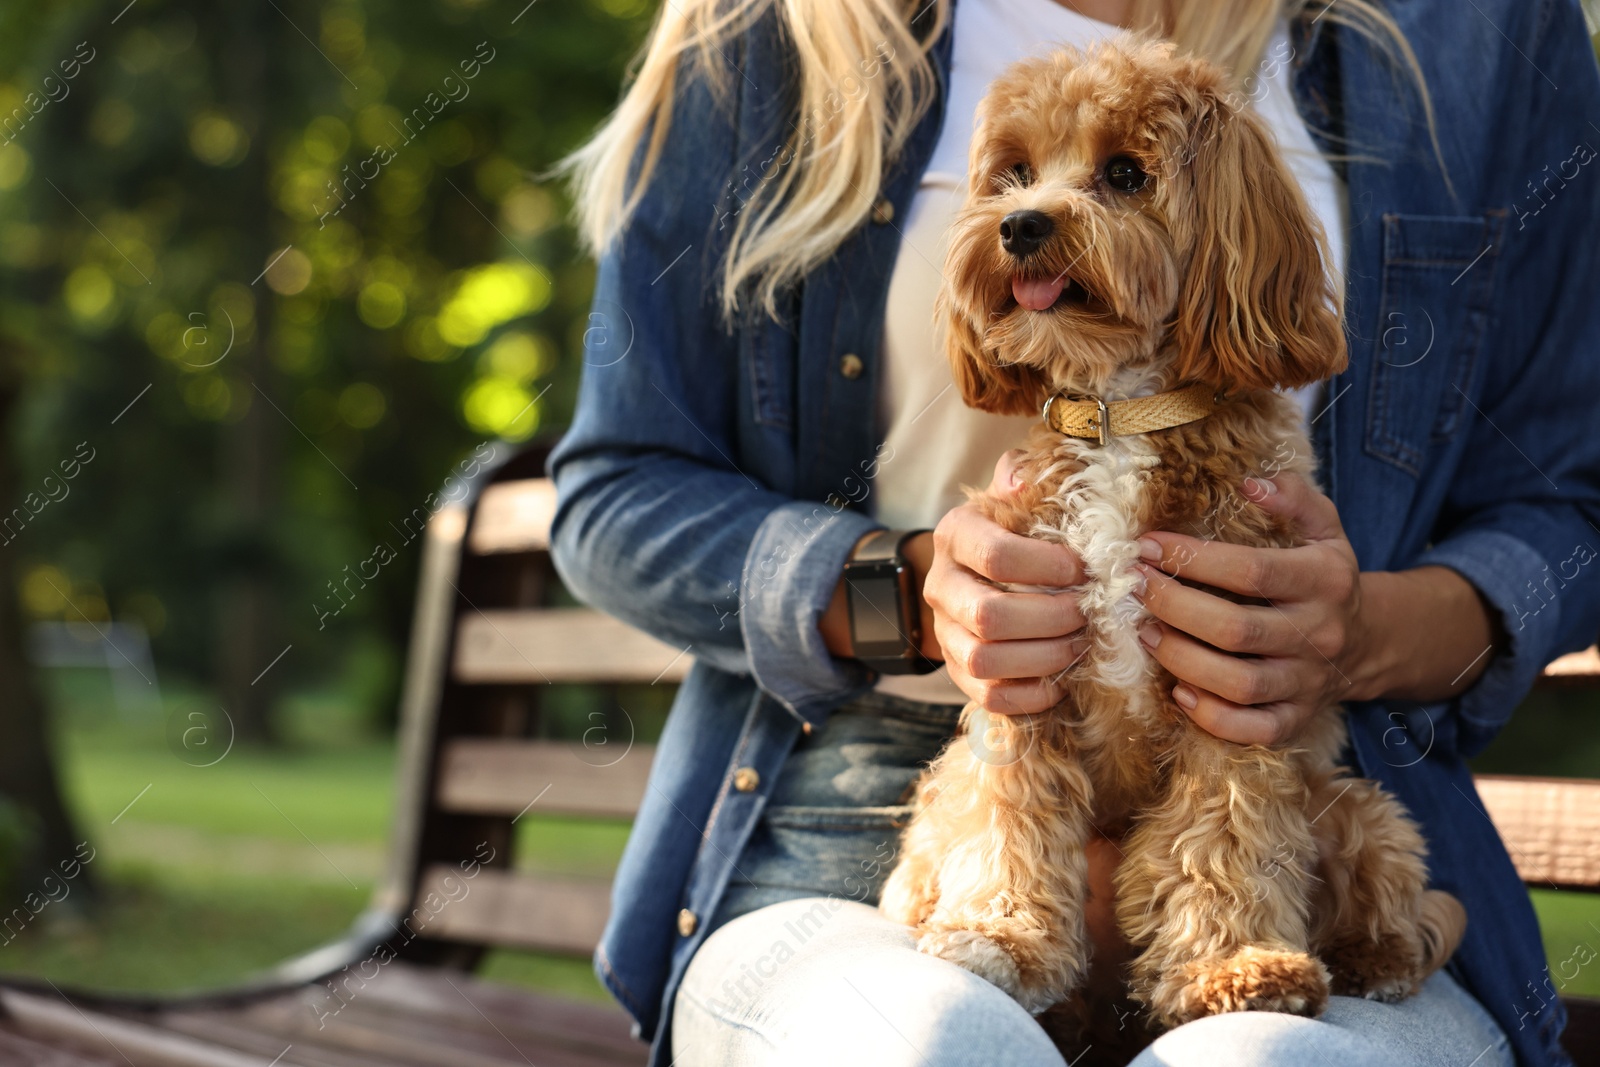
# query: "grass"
[342,795]
[154,932]
[1570,923]
[212,873]
[555,845]
[209,874]
[560,975]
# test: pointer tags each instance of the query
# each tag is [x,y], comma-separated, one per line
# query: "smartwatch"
[885,620]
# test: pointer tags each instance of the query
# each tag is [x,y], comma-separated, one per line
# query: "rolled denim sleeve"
[789,577]
[1503,568]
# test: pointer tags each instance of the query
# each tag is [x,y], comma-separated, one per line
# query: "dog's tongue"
[1037,294]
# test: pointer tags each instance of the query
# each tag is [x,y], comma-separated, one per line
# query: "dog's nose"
[1021,232]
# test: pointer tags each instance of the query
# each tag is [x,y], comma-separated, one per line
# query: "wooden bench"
[490,641]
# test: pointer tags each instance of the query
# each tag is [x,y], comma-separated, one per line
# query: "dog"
[1132,251]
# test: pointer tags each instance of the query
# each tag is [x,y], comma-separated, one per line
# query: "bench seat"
[406,1016]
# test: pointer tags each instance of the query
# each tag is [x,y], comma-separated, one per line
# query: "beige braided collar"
[1101,420]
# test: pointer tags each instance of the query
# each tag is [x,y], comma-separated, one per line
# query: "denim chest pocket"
[1437,293]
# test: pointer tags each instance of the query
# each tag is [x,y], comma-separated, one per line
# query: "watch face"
[875,612]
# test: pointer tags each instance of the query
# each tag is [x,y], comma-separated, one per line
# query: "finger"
[1216,621]
[1007,475]
[1243,681]
[997,615]
[1292,497]
[997,660]
[1268,573]
[1024,696]
[1264,725]
[983,546]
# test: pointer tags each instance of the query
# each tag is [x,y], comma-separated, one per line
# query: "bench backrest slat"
[516,909]
[560,645]
[514,517]
[505,776]
[1551,827]
[1582,666]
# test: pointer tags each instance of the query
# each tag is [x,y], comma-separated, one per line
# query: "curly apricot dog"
[1133,252]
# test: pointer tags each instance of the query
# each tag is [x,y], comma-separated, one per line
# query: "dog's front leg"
[912,889]
[1010,812]
[1215,888]
[1378,927]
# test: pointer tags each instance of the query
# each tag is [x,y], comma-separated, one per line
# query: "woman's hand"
[1256,673]
[1005,650]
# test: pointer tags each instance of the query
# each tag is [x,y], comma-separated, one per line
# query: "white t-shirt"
[935,443]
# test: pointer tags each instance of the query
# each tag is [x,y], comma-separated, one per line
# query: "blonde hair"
[821,184]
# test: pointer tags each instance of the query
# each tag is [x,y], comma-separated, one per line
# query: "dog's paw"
[977,953]
[985,958]
[1252,979]
[1390,992]
[1388,972]
[906,898]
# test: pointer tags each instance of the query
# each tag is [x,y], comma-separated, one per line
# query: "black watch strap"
[885,620]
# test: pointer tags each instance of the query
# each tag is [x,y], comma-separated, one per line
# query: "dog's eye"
[1019,174]
[1125,176]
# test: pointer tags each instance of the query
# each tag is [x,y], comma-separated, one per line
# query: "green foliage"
[310,245]
[1552,732]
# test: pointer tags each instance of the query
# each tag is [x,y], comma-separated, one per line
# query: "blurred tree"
[277,267]
[36,832]
[248,624]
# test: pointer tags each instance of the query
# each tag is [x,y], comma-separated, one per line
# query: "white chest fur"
[1101,498]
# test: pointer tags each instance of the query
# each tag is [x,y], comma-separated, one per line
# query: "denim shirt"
[716,476]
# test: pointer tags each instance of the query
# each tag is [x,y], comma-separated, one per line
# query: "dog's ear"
[1256,309]
[1001,389]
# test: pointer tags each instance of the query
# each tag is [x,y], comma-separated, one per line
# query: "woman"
[761,394]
